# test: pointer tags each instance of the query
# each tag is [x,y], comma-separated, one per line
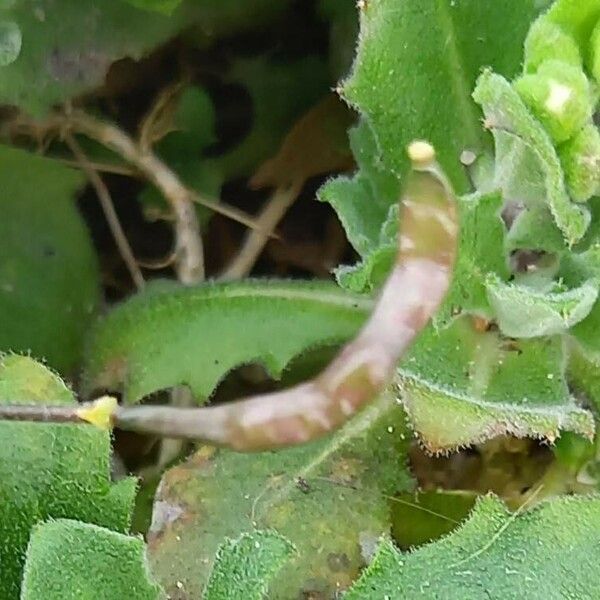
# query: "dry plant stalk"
[110,213]
[363,368]
[189,253]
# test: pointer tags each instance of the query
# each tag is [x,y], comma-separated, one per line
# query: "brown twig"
[98,167]
[189,252]
[40,413]
[41,131]
[152,127]
[274,210]
[108,209]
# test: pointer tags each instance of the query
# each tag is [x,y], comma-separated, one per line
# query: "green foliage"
[50,470]
[576,18]
[23,380]
[244,567]
[559,96]
[445,44]
[433,103]
[508,117]
[67,47]
[486,386]
[496,554]
[189,132]
[329,498]
[11,41]
[196,335]
[523,312]
[580,158]
[45,248]
[162,6]
[548,41]
[70,560]
[279,92]
[514,350]
[420,517]
[480,255]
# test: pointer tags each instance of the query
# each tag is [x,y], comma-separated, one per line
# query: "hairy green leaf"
[196,335]
[363,201]
[576,268]
[329,498]
[48,269]
[580,159]
[445,44]
[577,18]
[424,516]
[518,173]
[498,555]
[584,374]
[524,312]
[549,41]
[70,560]
[68,47]
[586,332]
[480,253]
[23,380]
[415,68]
[506,114]
[244,567]
[369,274]
[50,470]
[559,95]
[461,386]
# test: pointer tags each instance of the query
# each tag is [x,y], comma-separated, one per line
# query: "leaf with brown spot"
[324,497]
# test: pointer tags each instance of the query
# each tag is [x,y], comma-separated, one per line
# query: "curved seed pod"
[410,296]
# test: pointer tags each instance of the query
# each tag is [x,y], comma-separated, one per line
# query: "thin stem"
[98,167]
[274,210]
[109,211]
[38,131]
[40,413]
[188,243]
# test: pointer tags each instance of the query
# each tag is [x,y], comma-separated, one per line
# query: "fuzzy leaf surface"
[415,69]
[506,115]
[522,312]
[461,386]
[329,498]
[68,47]
[70,560]
[244,567]
[195,336]
[50,470]
[412,78]
[498,555]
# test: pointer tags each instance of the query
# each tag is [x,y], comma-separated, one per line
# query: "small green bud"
[559,95]
[580,158]
[576,17]
[549,41]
